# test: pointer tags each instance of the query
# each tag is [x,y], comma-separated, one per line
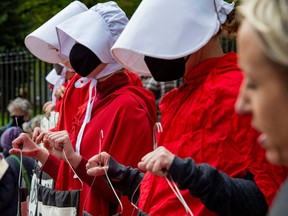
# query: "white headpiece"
[52,77]
[168,29]
[43,42]
[97,29]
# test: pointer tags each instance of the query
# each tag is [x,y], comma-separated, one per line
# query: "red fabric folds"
[199,121]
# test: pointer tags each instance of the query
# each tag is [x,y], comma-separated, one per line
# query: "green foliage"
[129,6]
[20,17]
[12,24]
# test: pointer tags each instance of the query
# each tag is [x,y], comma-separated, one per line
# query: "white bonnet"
[52,77]
[168,29]
[114,16]
[97,29]
[43,42]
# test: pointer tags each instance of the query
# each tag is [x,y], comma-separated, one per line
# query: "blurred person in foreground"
[9,185]
[263,54]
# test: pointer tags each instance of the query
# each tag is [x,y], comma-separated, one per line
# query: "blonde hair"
[269,18]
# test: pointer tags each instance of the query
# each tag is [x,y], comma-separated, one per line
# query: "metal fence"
[22,75]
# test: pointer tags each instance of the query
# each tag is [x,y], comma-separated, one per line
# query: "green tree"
[20,17]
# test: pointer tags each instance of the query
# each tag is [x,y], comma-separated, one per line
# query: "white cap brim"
[52,77]
[95,29]
[165,29]
[43,42]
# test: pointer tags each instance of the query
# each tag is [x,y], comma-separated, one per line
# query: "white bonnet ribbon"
[59,82]
[223,9]
[87,117]
[82,82]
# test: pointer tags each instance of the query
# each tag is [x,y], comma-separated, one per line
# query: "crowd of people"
[208,139]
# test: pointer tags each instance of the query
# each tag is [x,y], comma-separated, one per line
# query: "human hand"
[59,93]
[28,148]
[157,162]
[60,145]
[98,164]
[38,135]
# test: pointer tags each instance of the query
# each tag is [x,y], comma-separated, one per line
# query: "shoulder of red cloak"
[144,97]
[228,63]
[134,79]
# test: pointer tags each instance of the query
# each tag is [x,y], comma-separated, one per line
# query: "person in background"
[58,78]
[205,147]
[20,111]
[29,126]
[9,184]
[7,137]
[263,54]
[125,113]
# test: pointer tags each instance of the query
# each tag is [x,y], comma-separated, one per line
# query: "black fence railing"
[22,75]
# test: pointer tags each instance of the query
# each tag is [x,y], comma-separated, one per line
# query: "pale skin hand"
[38,135]
[98,164]
[59,142]
[29,148]
[54,142]
[157,162]
[59,93]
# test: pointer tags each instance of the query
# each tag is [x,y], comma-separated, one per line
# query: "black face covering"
[165,70]
[83,60]
[17,121]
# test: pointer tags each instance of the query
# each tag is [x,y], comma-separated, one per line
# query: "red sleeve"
[51,166]
[100,185]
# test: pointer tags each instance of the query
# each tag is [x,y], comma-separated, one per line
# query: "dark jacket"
[279,206]
[9,185]
[216,194]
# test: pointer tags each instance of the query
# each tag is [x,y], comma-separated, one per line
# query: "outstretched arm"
[218,192]
[25,146]
[124,179]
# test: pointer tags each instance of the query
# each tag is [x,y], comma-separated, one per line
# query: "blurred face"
[20,115]
[263,94]
[17,112]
